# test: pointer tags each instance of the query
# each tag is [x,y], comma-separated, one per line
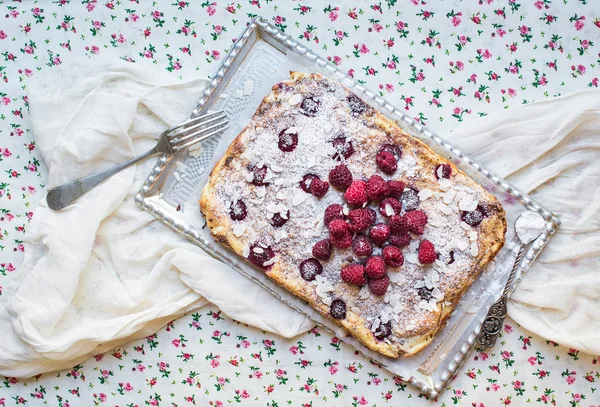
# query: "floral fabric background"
[444,62]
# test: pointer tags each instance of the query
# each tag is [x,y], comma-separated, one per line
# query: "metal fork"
[178,138]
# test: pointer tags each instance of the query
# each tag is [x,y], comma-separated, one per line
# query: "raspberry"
[390,206]
[258,174]
[343,147]
[377,188]
[306,181]
[383,331]
[360,219]
[396,188]
[288,140]
[416,220]
[427,254]
[338,309]
[443,171]
[340,177]
[354,274]
[260,255]
[338,228]
[379,234]
[343,242]
[278,220]
[410,199]
[386,162]
[473,218]
[356,194]
[398,225]
[375,267]
[333,211]
[400,240]
[310,106]
[379,286]
[372,216]
[319,188]
[393,149]
[310,268]
[322,250]
[237,210]
[361,246]
[392,256]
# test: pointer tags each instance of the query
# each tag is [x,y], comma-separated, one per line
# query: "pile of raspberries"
[358,228]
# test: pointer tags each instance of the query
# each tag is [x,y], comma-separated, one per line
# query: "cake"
[340,206]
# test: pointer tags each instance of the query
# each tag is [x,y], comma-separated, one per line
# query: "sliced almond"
[295,99]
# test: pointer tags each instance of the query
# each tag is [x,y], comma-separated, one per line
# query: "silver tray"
[261,57]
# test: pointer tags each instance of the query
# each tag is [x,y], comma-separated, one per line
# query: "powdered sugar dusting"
[410,311]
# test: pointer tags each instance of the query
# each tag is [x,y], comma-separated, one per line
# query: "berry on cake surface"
[340,177]
[356,194]
[386,162]
[354,274]
[379,234]
[322,250]
[333,211]
[360,219]
[361,246]
[393,257]
[377,188]
[427,253]
[375,267]
[389,207]
[310,268]
[379,286]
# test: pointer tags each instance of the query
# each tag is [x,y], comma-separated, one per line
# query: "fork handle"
[64,195]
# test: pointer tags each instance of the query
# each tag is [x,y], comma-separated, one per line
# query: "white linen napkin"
[103,272]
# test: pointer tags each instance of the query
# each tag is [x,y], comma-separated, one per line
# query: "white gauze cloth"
[103,272]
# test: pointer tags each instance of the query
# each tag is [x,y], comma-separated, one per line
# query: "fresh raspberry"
[410,199]
[377,188]
[337,309]
[322,250]
[319,188]
[260,255]
[444,170]
[306,181]
[333,211]
[393,149]
[416,220]
[343,147]
[238,210]
[427,254]
[383,331]
[310,268]
[258,174]
[396,188]
[375,267]
[338,228]
[372,216]
[343,242]
[386,162]
[360,219]
[362,246]
[354,274]
[356,194]
[340,177]
[400,240]
[278,220]
[398,225]
[288,140]
[379,233]
[392,256]
[390,206]
[379,286]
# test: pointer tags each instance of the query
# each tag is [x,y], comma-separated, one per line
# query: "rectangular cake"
[338,205]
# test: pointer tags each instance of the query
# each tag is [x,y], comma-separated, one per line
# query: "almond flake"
[467,204]
[260,191]
[239,229]
[444,209]
[292,130]
[270,262]
[295,99]
[299,198]
[389,211]
[473,236]
[465,226]
[345,210]
[258,250]
[444,184]
[276,168]
[364,293]
[440,172]
[375,325]
[246,251]
[474,249]
[327,127]
[425,194]
[449,196]
[462,245]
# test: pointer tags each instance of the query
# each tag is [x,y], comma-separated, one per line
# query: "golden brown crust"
[490,233]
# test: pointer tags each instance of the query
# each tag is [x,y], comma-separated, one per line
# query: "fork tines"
[197,129]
